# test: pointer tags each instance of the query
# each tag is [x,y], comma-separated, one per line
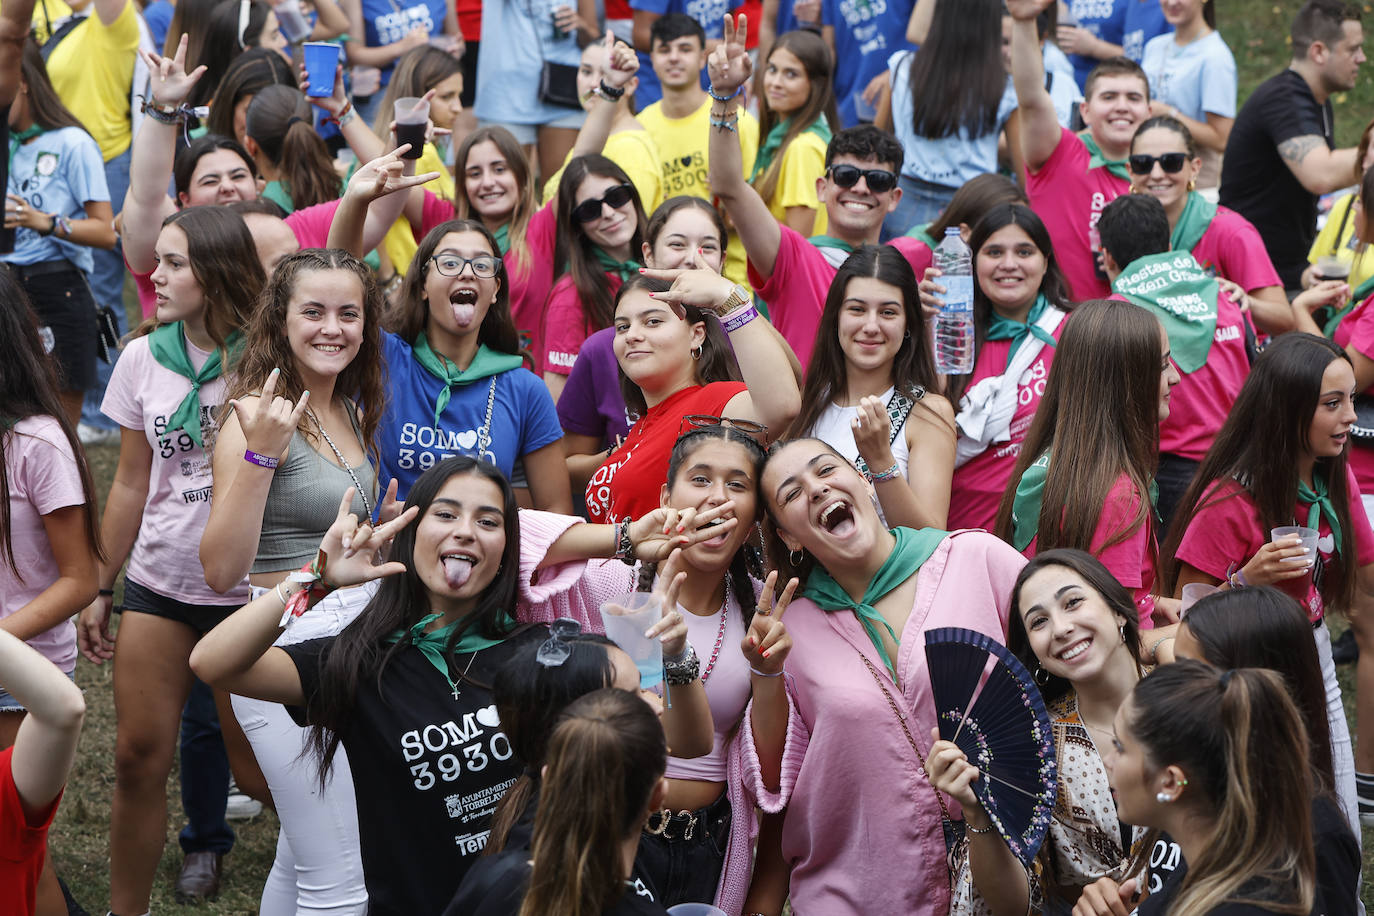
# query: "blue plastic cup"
[321,60]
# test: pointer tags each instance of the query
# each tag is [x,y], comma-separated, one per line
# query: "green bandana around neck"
[1320,506]
[1360,294]
[913,548]
[502,237]
[623,269]
[19,137]
[773,142]
[1197,215]
[1096,158]
[1002,328]
[168,346]
[1030,497]
[432,644]
[829,241]
[1175,288]
[486,362]
[922,234]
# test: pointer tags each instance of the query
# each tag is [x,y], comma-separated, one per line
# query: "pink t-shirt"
[566,326]
[978,485]
[1228,532]
[796,289]
[141,396]
[43,477]
[530,281]
[1232,248]
[1070,198]
[1357,330]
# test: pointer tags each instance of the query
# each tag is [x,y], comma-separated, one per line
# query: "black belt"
[686,825]
[42,268]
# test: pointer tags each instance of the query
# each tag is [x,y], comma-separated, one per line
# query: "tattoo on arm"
[1294,151]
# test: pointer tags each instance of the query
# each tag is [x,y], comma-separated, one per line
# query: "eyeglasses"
[451,265]
[694,421]
[590,209]
[555,650]
[846,176]
[1171,163]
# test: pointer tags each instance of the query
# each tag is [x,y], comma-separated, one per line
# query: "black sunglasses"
[590,209]
[846,176]
[1171,163]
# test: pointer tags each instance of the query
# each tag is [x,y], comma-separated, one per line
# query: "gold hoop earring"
[1192,184]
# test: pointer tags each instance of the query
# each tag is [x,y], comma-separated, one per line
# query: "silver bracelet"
[683,671]
[972,829]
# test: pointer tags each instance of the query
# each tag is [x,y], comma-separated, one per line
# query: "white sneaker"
[240,807]
[95,435]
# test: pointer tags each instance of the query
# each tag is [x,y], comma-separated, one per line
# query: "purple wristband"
[739,319]
[262,461]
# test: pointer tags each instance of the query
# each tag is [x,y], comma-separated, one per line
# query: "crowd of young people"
[396,411]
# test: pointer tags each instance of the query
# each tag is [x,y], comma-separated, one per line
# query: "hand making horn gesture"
[269,422]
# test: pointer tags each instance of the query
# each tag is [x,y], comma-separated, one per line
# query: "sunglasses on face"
[1171,163]
[590,210]
[846,176]
[451,265]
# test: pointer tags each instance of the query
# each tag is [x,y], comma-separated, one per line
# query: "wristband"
[753,670]
[610,93]
[106,593]
[739,318]
[891,473]
[711,91]
[346,114]
[726,124]
[52,226]
[60,224]
[262,461]
[311,578]
[1154,649]
[681,673]
[624,547]
[1236,577]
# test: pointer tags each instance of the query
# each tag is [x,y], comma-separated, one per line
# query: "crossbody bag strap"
[898,409]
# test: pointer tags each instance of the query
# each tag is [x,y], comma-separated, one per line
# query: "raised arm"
[918,26]
[45,745]
[15,16]
[330,21]
[1040,130]
[376,193]
[619,68]
[730,68]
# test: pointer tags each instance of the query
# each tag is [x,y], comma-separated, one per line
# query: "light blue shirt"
[949,161]
[517,37]
[1195,78]
[1064,91]
[56,172]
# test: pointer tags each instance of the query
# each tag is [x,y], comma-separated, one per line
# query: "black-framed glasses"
[484,266]
[555,650]
[846,176]
[693,421]
[1171,163]
[590,209]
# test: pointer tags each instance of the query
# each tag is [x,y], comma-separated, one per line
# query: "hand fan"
[987,704]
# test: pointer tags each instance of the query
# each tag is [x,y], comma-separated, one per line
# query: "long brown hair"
[575,247]
[528,201]
[814,54]
[605,758]
[267,347]
[250,73]
[1113,350]
[45,106]
[417,71]
[280,122]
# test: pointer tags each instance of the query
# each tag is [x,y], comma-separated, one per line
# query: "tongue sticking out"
[464,305]
[456,571]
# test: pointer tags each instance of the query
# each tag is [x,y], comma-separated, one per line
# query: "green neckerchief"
[1001,328]
[623,269]
[1361,293]
[1030,496]
[1182,296]
[19,137]
[922,233]
[773,142]
[1319,500]
[276,192]
[502,237]
[432,644]
[829,241]
[1192,222]
[485,363]
[1097,160]
[168,345]
[913,549]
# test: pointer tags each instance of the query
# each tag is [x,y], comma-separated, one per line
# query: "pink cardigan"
[862,831]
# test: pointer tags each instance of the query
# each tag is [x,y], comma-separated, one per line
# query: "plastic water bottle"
[954,323]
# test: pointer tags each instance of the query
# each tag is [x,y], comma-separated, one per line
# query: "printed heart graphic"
[488,717]
[686,160]
[1326,544]
[468,438]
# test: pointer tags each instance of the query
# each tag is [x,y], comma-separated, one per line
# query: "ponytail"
[280,122]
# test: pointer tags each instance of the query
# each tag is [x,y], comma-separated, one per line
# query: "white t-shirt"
[834,429]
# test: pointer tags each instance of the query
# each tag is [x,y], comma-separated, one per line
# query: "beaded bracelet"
[345,115]
[891,473]
[726,124]
[610,93]
[711,91]
[980,830]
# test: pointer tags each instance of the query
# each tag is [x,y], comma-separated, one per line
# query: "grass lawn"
[1257,32]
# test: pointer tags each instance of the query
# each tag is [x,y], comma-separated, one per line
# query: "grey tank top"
[304,501]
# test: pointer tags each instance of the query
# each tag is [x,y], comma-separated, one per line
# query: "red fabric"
[470,19]
[23,844]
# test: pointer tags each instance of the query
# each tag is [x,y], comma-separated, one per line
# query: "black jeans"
[1173,477]
[683,869]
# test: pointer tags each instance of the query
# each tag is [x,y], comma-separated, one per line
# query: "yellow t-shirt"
[92,70]
[683,145]
[635,152]
[46,14]
[1338,237]
[802,163]
[400,243]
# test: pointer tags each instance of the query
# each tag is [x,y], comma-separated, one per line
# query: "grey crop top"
[304,501]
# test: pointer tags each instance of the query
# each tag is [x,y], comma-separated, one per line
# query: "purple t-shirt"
[591,403]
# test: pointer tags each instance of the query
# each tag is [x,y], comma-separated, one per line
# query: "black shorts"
[469,67]
[200,617]
[62,300]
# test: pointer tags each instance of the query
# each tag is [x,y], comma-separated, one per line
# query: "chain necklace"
[720,639]
[462,677]
[343,463]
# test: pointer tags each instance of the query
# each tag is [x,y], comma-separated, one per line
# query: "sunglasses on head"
[694,421]
[1171,163]
[590,209]
[555,650]
[846,176]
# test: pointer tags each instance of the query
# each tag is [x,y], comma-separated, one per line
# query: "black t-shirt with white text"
[496,886]
[428,770]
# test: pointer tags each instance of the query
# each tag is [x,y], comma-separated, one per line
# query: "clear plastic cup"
[1330,267]
[1193,592]
[411,115]
[1307,539]
[321,60]
[295,26]
[695,909]
[626,619]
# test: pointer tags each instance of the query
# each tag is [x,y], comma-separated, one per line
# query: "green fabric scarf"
[1030,497]
[773,142]
[1320,504]
[1097,160]
[1001,328]
[912,550]
[829,241]
[432,644]
[623,269]
[1361,293]
[168,346]
[502,237]
[19,137]
[485,363]
[1192,222]
[1175,288]
[922,234]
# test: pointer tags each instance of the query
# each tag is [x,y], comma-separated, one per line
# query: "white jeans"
[318,866]
[1342,750]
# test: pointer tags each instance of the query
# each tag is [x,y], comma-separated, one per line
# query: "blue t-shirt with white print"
[57,172]
[867,33]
